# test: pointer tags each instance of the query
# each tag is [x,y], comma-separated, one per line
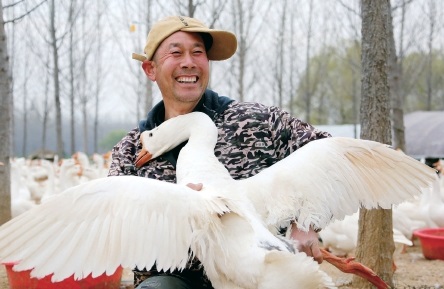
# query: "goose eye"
[151,134]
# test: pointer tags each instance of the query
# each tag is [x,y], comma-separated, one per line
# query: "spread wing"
[98,226]
[330,178]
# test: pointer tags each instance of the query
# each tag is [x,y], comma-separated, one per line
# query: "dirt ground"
[413,272]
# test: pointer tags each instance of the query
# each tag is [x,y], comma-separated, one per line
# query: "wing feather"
[92,228]
[330,178]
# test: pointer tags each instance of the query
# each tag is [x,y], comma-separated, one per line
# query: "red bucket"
[432,242]
[23,280]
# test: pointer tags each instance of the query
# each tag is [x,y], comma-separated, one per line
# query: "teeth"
[185,79]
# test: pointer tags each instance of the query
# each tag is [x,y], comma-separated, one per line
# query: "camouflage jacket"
[251,137]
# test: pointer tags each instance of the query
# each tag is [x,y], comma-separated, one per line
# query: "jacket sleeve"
[291,133]
[124,154]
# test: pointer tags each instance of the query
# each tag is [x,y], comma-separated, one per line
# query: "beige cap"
[223,46]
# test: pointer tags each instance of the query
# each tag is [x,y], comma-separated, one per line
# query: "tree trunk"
[241,50]
[429,71]
[55,55]
[375,236]
[46,107]
[5,126]
[71,77]
[307,93]
[396,96]
[25,110]
[280,59]
[98,76]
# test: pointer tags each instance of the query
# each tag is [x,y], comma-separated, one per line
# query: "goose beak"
[348,265]
[80,172]
[143,157]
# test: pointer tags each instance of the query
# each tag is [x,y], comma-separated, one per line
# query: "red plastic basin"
[22,280]
[432,242]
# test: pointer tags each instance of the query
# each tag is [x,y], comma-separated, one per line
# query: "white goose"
[436,204]
[340,237]
[97,224]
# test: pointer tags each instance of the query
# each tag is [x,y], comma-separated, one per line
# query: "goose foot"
[348,265]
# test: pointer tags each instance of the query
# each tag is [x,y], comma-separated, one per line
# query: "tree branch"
[24,15]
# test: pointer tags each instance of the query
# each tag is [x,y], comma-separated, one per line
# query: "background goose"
[340,237]
[436,204]
[94,227]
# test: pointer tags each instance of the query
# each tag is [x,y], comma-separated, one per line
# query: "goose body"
[95,227]
[436,204]
[340,237]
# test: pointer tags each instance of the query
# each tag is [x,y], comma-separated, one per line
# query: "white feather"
[81,231]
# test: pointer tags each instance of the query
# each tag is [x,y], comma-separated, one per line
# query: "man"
[251,136]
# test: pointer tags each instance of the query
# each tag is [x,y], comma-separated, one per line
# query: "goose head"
[176,130]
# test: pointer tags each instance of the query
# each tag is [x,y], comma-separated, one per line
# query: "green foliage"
[334,84]
[423,75]
[111,139]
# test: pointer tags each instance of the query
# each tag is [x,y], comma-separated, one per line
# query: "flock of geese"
[33,181]
[94,226]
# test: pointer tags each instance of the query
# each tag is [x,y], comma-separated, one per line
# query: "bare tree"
[246,30]
[432,23]
[292,68]
[25,107]
[72,20]
[140,18]
[395,79]
[148,91]
[187,8]
[279,71]
[99,73]
[307,92]
[55,59]
[375,236]
[242,47]
[86,41]
[46,108]
[5,126]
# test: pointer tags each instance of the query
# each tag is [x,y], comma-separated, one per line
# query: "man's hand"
[196,187]
[308,242]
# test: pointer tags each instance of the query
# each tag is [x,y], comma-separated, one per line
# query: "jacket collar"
[211,104]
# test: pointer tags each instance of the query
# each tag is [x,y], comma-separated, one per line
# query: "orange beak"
[80,172]
[143,157]
[348,265]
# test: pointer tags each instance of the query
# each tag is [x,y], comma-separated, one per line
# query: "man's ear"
[149,69]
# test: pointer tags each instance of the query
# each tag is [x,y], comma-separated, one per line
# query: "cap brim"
[139,57]
[224,43]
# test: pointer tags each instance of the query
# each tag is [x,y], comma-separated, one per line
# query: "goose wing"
[97,226]
[330,178]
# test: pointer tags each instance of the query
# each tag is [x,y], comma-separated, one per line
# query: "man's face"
[181,68]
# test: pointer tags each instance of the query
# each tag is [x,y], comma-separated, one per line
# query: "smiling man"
[251,136]
[180,68]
